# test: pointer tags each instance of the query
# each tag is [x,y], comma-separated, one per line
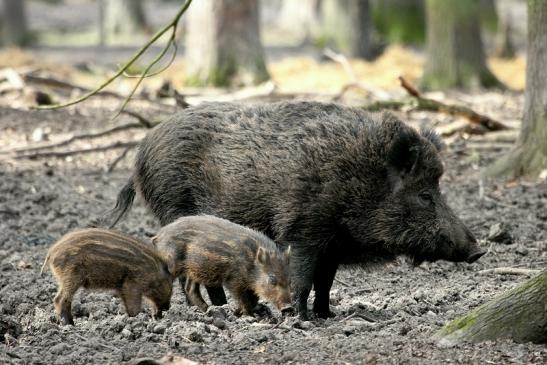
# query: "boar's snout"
[464,246]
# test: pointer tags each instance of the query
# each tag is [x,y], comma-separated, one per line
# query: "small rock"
[127,333]
[303,325]
[160,328]
[219,323]
[500,234]
[216,312]
[195,337]
[523,251]
[430,314]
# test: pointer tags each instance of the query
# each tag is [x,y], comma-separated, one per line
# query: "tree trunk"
[301,19]
[455,53]
[125,17]
[400,21]
[348,24]
[223,45]
[519,314]
[529,156]
[15,32]
[505,47]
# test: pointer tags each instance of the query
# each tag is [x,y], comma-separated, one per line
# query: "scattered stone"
[303,325]
[523,251]
[219,323]
[500,233]
[160,329]
[127,333]
[216,312]
[195,337]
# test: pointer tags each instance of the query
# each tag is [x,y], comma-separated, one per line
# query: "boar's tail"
[44,265]
[124,202]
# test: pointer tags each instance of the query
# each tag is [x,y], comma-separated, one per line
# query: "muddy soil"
[385,315]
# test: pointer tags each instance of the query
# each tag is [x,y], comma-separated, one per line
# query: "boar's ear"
[153,240]
[404,152]
[433,137]
[262,256]
[288,254]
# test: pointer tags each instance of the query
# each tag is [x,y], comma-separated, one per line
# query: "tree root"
[509,271]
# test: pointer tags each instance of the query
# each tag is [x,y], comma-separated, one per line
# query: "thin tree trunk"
[455,53]
[125,17]
[529,156]
[223,43]
[301,18]
[15,31]
[348,24]
[519,314]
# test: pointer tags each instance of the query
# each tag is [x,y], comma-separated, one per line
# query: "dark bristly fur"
[338,184]
[105,259]
[215,252]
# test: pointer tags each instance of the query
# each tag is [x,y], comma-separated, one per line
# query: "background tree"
[14,24]
[455,52]
[400,21]
[125,17]
[223,43]
[301,18]
[529,156]
[518,314]
[348,24]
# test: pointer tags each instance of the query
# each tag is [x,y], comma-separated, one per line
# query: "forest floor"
[385,315]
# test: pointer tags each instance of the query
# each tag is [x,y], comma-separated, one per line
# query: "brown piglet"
[105,259]
[215,252]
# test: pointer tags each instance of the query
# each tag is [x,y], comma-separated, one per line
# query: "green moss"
[460,324]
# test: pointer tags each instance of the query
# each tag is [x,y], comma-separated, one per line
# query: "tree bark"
[301,18]
[125,17]
[223,45]
[455,52]
[348,24]
[400,21]
[529,156]
[15,31]
[519,314]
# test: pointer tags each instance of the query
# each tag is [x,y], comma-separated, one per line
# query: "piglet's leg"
[63,305]
[194,296]
[132,298]
[245,301]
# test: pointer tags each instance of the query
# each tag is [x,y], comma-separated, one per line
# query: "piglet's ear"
[288,254]
[403,153]
[262,256]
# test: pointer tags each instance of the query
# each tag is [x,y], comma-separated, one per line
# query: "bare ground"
[385,315]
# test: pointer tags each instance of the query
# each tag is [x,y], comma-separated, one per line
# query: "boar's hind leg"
[131,295]
[63,303]
[193,294]
[322,282]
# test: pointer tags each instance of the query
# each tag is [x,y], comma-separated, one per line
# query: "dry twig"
[463,111]
[172,25]
[60,154]
[510,271]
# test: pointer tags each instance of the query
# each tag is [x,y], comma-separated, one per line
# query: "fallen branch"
[355,82]
[118,159]
[171,25]
[61,154]
[79,137]
[426,104]
[509,271]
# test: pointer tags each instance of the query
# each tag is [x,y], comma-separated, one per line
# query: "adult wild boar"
[337,184]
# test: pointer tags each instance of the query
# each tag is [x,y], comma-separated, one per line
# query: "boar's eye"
[426,197]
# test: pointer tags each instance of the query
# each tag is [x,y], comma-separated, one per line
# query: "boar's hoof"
[325,314]
[288,311]
[475,256]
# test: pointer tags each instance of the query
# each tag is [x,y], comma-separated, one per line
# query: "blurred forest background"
[357,52]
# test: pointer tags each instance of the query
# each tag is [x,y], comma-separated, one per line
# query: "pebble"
[500,233]
[127,333]
[160,328]
[219,323]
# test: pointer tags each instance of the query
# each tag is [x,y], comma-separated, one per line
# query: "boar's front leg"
[193,294]
[303,263]
[324,276]
[63,304]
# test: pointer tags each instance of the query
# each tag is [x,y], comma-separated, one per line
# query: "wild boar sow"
[338,184]
[104,259]
[216,252]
